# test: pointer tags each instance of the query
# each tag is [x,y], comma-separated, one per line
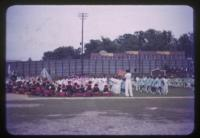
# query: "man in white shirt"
[158,85]
[128,84]
[137,84]
[165,87]
[116,86]
[140,83]
[145,84]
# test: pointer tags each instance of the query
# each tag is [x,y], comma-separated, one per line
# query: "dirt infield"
[142,115]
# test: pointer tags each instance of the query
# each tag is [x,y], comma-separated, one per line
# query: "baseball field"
[143,114]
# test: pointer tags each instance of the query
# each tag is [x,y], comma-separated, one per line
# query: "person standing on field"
[128,84]
[165,87]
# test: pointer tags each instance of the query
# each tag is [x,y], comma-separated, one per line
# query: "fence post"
[89,66]
[55,68]
[129,65]
[102,66]
[142,67]
[69,67]
[16,66]
[75,65]
[136,66]
[115,66]
[62,67]
[150,66]
[123,63]
[29,64]
[95,66]
[155,63]
[109,66]
[35,68]
[175,63]
[23,69]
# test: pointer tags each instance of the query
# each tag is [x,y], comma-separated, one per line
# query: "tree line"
[150,40]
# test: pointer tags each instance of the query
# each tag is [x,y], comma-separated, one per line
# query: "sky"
[32,30]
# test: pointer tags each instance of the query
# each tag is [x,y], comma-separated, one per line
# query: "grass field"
[172,92]
[103,116]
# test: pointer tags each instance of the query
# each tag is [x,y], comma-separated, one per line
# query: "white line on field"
[25,97]
[77,98]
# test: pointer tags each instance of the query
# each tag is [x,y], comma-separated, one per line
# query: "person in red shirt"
[82,89]
[89,89]
[89,86]
[78,91]
[95,90]
[106,91]
[69,89]
[38,90]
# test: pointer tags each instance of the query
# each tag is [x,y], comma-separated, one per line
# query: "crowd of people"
[65,87]
[182,82]
[92,86]
[153,85]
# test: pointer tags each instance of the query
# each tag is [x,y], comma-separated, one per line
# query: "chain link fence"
[63,68]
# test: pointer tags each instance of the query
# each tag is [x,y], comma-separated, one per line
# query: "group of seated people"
[43,87]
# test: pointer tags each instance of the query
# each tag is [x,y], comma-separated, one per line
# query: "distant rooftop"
[104,53]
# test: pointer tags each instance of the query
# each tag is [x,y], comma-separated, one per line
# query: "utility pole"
[83,17]
[139,54]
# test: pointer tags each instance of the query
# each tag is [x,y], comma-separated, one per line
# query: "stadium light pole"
[139,57]
[83,17]
[139,52]
[142,41]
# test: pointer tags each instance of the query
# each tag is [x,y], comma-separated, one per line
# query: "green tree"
[127,42]
[186,43]
[108,45]
[149,40]
[156,40]
[48,55]
[92,47]
[62,53]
